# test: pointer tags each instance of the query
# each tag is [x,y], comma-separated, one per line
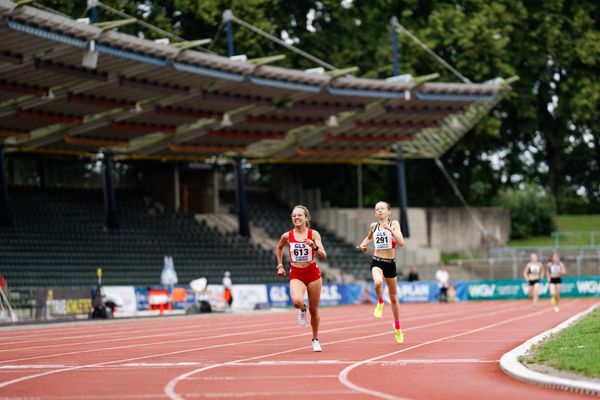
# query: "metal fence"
[580,262]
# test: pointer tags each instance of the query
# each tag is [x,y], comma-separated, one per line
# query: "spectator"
[413,275]
[227,285]
[443,280]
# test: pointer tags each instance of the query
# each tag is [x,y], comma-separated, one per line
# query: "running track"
[451,352]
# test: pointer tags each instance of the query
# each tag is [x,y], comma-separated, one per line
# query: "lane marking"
[256,377]
[25,378]
[115,339]
[239,332]
[343,375]
[170,387]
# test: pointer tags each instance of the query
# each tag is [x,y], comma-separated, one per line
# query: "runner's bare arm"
[367,239]
[319,245]
[279,253]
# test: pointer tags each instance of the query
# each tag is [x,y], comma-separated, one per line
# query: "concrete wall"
[432,230]
[199,190]
[454,230]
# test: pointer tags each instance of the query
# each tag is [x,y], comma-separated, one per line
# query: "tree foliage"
[532,210]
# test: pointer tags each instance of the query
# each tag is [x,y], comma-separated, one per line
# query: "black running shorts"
[387,265]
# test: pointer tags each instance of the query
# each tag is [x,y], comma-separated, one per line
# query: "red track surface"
[451,352]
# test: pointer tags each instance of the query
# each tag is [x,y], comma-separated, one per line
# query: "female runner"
[303,244]
[386,235]
[555,270]
[532,273]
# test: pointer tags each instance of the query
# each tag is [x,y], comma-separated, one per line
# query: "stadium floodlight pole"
[244,225]
[401,177]
[6,218]
[227,17]
[395,65]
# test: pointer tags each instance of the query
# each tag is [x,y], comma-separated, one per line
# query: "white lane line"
[170,387]
[25,378]
[343,375]
[237,333]
[261,377]
[33,366]
[115,339]
[284,363]
[279,394]
[161,343]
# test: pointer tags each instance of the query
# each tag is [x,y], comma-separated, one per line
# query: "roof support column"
[359,185]
[401,176]
[6,216]
[91,4]
[110,201]
[227,15]
[242,206]
[395,65]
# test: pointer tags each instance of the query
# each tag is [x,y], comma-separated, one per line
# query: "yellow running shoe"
[378,311]
[399,336]
[552,300]
[556,309]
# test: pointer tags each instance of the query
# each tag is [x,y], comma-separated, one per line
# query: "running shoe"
[316,345]
[378,312]
[552,300]
[302,317]
[556,309]
[399,336]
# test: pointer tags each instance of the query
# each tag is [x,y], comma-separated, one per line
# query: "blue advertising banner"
[331,294]
[418,292]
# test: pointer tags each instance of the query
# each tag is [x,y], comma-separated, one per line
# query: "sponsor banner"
[124,297]
[246,297]
[64,303]
[331,294]
[156,298]
[518,289]
[416,292]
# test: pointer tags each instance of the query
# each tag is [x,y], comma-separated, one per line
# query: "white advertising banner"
[123,297]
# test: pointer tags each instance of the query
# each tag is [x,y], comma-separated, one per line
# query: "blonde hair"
[306,213]
[386,203]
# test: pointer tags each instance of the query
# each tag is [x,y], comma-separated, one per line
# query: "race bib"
[300,252]
[382,240]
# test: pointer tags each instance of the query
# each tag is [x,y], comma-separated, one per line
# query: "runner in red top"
[303,243]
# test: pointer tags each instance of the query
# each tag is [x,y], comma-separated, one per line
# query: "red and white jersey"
[300,251]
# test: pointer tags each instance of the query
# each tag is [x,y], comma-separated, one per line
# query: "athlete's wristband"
[316,248]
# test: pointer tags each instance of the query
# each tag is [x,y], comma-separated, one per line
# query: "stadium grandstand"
[171,114]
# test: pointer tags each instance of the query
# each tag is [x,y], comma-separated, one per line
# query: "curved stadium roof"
[149,100]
